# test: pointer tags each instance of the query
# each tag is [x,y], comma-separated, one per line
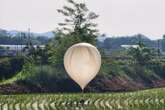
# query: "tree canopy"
[78,27]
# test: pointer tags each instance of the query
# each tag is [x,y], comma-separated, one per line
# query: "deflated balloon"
[82,62]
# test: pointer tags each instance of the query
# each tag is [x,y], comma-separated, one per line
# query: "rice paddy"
[153,99]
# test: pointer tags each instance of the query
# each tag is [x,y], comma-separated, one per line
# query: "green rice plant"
[153,99]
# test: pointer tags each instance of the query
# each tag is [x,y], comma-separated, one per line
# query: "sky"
[117,17]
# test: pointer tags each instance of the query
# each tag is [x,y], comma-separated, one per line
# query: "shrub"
[10,66]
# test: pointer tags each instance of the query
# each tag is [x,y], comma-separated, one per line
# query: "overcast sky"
[117,17]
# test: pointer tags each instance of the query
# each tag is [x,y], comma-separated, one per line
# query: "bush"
[47,77]
[10,66]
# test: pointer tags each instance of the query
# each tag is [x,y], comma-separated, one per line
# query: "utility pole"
[158,48]
[140,40]
[29,38]
[21,43]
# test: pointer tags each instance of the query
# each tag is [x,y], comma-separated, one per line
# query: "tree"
[163,44]
[78,21]
[58,47]
[142,54]
[77,27]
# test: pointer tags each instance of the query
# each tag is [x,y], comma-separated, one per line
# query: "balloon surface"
[82,62]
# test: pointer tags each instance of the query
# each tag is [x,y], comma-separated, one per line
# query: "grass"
[153,99]
[11,80]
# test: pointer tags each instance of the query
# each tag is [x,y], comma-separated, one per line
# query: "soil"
[99,84]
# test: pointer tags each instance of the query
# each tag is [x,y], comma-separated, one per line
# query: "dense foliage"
[77,27]
[10,66]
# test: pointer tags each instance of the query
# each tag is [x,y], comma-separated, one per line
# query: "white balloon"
[82,62]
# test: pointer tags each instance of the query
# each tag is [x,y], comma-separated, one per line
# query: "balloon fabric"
[82,62]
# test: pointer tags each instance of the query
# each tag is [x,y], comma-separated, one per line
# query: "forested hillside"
[106,42]
[113,43]
[21,38]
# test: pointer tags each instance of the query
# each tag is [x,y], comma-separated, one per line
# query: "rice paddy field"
[153,99]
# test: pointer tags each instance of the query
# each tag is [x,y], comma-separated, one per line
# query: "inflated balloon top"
[82,62]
